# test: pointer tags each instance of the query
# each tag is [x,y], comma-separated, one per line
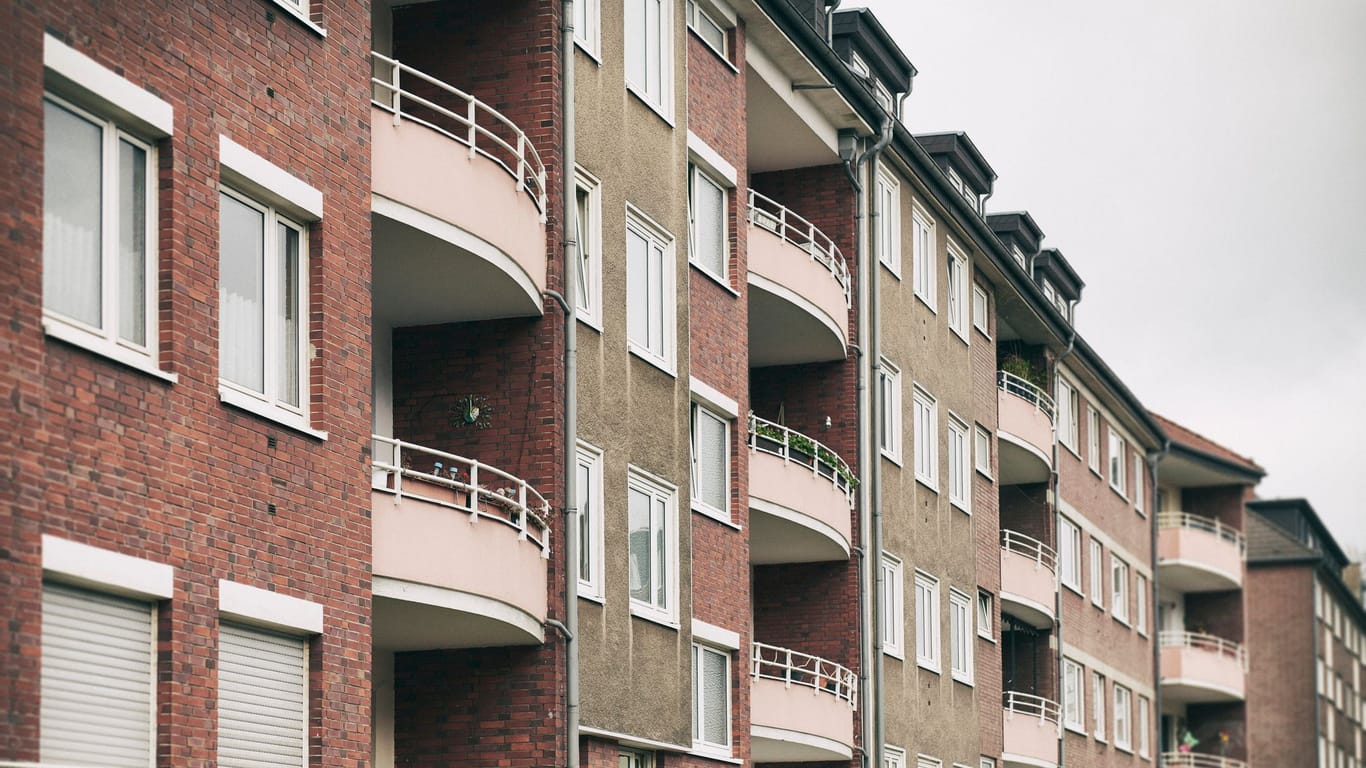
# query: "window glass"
[711,702]
[926,417]
[711,462]
[892,618]
[709,224]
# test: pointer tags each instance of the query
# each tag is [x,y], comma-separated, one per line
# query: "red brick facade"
[1280,683]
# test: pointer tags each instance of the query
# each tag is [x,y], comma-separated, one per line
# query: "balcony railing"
[1202,642]
[772,216]
[1200,523]
[790,445]
[477,489]
[1032,706]
[769,662]
[1012,384]
[1196,760]
[1031,548]
[461,117]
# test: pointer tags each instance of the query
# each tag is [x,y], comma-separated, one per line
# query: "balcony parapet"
[1197,760]
[1199,554]
[789,667]
[802,707]
[1201,668]
[1189,522]
[1200,641]
[801,494]
[1045,710]
[1025,428]
[1030,548]
[792,446]
[1031,729]
[776,218]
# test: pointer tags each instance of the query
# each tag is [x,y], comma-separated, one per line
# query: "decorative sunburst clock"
[472,411]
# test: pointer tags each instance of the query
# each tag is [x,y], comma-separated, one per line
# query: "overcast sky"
[1202,165]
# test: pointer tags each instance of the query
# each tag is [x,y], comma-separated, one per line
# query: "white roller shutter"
[98,679]
[262,698]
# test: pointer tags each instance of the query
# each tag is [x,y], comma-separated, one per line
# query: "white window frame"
[1144,726]
[986,615]
[588,27]
[655,237]
[589,301]
[1119,589]
[697,176]
[635,758]
[893,626]
[1115,457]
[961,636]
[700,18]
[658,491]
[925,440]
[1098,699]
[1093,439]
[957,276]
[1067,402]
[923,257]
[1073,696]
[925,761]
[1097,569]
[588,458]
[661,100]
[1069,555]
[889,390]
[986,762]
[1137,480]
[981,314]
[888,191]
[1123,729]
[982,450]
[1141,603]
[960,464]
[700,744]
[699,504]
[893,757]
[927,622]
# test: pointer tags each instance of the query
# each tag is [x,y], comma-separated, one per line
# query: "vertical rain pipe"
[571,388]
[1154,458]
[1057,542]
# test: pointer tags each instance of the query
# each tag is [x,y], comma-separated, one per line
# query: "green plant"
[1018,366]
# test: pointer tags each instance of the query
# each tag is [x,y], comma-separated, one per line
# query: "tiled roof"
[1267,542]
[1193,439]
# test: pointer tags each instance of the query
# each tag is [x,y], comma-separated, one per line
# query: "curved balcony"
[1024,429]
[800,497]
[1029,579]
[801,707]
[799,289]
[1198,554]
[1030,730]
[1201,668]
[1197,760]
[459,204]
[460,551]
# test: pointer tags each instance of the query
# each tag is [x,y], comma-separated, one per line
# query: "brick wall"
[986,516]
[1280,681]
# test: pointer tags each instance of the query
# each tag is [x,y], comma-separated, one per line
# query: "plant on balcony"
[1016,365]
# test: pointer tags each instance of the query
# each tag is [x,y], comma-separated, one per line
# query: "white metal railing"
[1031,548]
[769,662]
[1030,705]
[790,445]
[1197,760]
[1201,523]
[1012,384]
[463,118]
[776,218]
[1204,642]
[477,489]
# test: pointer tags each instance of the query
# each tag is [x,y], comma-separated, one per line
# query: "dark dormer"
[1299,520]
[958,158]
[1059,283]
[1019,234]
[816,13]
[872,54]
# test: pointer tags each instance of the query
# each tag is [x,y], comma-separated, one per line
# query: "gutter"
[1153,459]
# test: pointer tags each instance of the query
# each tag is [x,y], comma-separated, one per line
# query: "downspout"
[1057,529]
[571,389]
[1154,458]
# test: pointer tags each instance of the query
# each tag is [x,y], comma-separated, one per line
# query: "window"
[981,319]
[1093,439]
[889,400]
[1119,588]
[927,621]
[1018,256]
[263,307]
[1069,545]
[925,761]
[1097,569]
[1138,479]
[892,610]
[710,463]
[986,615]
[711,699]
[1116,460]
[649,53]
[587,27]
[1143,714]
[262,698]
[960,458]
[1141,603]
[922,257]
[653,541]
[631,758]
[707,28]
[98,655]
[889,221]
[1098,705]
[588,465]
[893,757]
[987,762]
[649,291]
[983,450]
[708,241]
[1123,727]
[960,636]
[588,233]
[1073,701]
[956,275]
[1067,414]
[925,415]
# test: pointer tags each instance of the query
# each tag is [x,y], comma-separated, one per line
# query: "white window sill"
[715,278]
[895,458]
[720,55]
[1072,449]
[959,677]
[929,666]
[592,322]
[714,515]
[1100,737]
[653,615]
[583,46]
[895,270]
[650,357]
[986,638]
[1096,471]
[962,335]
[1075,589]
[77,337]
[930,483]
[230,396]
[591,593]
[1123,620]
[1126,749]
[713,752]
[896,653]
[1098,604]
[961,507]
[1119,492]
[982,331]
[1076,728]
[300,17]
[932,308]
[664,114]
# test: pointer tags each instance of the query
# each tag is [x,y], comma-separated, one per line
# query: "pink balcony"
[1198,554]
[1198,760]
[460,552]
[799,289]
[801,495]
[801,707]
[1029,579]
[458,206]
[1024,430]
[1201,668]
[1030,731]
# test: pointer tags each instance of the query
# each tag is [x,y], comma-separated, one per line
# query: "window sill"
[1072,449]
[930,483]
[592,322]
[985,473]
[583,46]
[664,114]
[961,507]
[1128,750]
[715,516]
[300,17]
[985,334]
[929,666]
[1098,605]
[986,638]
[1076,728]
[1122,620]
[650,358]
[716,53]
[591,595]
[1119,492]
[653,616]
[1100,737]
[899,655]
[962,336]
[1096,471]
[230,396]
[1075,589]
[963,679]
[895,458]
[921,298]
[719,754]
[715,278]
[76,337]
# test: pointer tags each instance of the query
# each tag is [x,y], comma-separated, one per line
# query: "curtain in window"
[289,325]
[241,294]
[638,510]
[72,159]
[709,445]
[715,703]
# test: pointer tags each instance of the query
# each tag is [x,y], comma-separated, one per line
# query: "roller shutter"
[262,698]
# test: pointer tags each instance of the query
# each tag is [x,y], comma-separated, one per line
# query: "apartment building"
[1305,640]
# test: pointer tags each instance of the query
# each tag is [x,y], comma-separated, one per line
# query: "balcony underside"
[1193,560]
[1197,676]
[1020,462]
[1184,575]
[1193,690]
[785,328]
[796,516]
[419,617]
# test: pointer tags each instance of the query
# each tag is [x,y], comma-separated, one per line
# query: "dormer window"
[1018,256]
[880,92]
[963,189]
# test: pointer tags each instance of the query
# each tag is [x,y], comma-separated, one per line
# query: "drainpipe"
[1057,544]
[571,390]
[1154,458]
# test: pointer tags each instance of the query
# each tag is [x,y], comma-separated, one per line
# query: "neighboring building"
[1306,642]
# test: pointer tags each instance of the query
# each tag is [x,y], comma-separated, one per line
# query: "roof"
[1189,438]
[1268,543]
[1296,516]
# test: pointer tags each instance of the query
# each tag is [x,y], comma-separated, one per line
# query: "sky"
[1202,165]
